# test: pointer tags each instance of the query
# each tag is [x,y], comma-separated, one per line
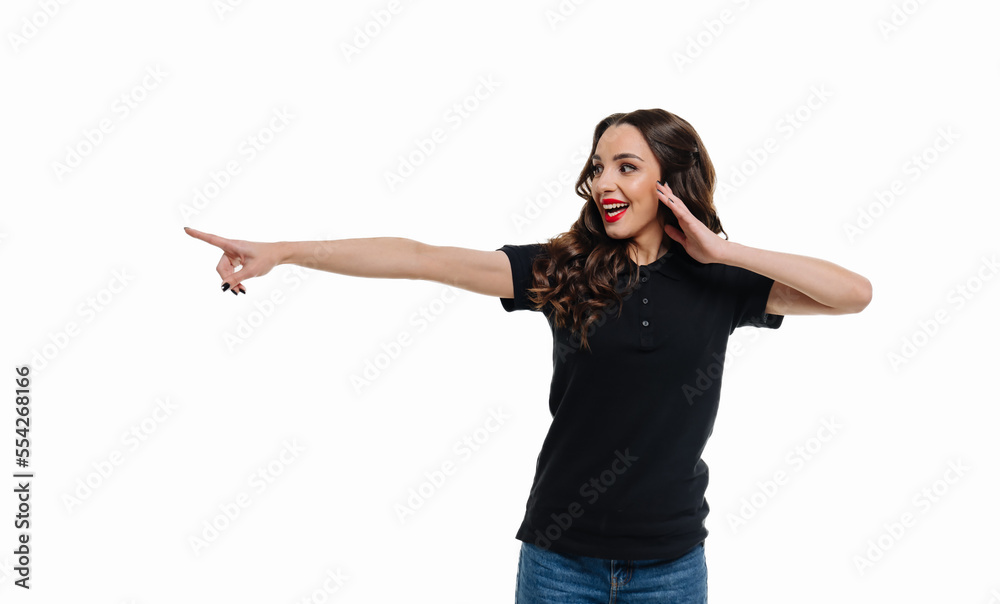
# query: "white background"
[869,98]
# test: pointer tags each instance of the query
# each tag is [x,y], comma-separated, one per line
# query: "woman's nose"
[604,183]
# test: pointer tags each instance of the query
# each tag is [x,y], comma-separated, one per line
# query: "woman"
[641,295]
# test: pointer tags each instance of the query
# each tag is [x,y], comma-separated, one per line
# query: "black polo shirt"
[620,474]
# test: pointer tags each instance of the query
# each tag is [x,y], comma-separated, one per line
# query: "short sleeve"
[521,258]
[751,291]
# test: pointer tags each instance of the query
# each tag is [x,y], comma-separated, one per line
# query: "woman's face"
[625,175]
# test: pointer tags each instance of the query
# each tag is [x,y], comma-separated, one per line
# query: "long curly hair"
[578,276]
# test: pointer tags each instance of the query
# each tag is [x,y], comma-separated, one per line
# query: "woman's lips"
[613,210]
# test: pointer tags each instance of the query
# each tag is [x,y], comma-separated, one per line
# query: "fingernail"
[234,293]
[225,286]
[243,291]
[659,183]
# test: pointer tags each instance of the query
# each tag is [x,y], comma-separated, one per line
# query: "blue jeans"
[548,577]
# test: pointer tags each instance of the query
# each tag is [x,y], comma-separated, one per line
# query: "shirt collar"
[674,264]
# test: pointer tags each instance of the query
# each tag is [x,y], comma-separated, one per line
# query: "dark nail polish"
[243,291]
[234,293]
[225,286]
[659,183]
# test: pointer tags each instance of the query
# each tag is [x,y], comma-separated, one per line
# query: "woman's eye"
[596,169]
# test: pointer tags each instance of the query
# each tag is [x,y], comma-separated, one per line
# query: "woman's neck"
[646,256]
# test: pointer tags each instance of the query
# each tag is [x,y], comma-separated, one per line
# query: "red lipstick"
[613,209]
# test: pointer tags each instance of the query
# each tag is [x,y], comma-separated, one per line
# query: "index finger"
[667,192]
[220,242]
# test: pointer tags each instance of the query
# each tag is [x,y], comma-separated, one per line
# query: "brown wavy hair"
[577,276]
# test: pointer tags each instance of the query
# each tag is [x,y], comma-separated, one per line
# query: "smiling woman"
[623,223]
[647,380]
[641,296]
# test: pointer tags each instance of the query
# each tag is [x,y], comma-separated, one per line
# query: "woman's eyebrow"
[619,156]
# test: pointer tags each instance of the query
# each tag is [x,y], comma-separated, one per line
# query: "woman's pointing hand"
[241,260]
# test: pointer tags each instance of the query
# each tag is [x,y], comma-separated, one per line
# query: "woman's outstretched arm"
[483,272]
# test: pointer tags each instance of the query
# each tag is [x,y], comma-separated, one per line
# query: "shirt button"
[645,323]
[644,279]
[645,300]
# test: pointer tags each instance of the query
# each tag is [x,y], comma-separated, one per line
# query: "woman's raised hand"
[241,260]
[697,239]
